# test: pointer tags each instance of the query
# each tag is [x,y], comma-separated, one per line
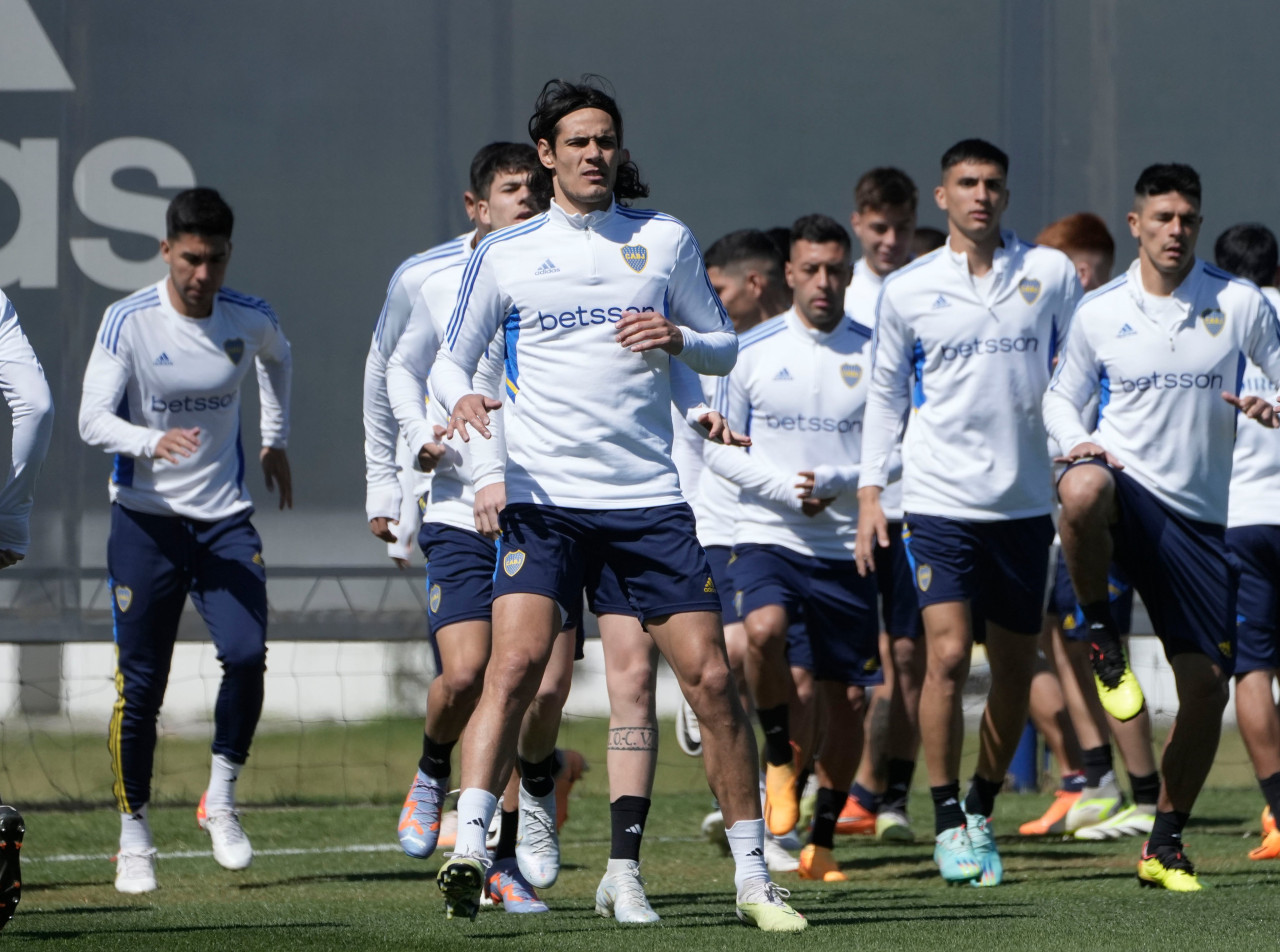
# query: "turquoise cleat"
[955,857]
[984,848]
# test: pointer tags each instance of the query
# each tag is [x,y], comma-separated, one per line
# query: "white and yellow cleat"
[763,904]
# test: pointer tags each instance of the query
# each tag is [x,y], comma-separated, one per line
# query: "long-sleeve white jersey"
[153,369]
[31,407]
[383,491]
[799,393]
[1161,365]
[588,422]
[981,353]
[1255,467]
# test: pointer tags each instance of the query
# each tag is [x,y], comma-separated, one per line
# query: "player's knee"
[948,659]
[463,684]
[766,629]
[245,659]
[1085,491]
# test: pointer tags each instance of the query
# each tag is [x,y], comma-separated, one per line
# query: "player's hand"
[8,557]
[718,430]
[380,526]
[177,444]
[1255,408]
[873,530]
[1089,451]
[648,331]
[472,410]
[811,507]
[402,564]
[429,455]
[490,501]
[806,484]
[275,469]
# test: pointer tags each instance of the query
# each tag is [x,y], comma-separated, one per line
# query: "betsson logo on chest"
[189,403]
[1162,381]
[586,316]
[808,424]
[992,345]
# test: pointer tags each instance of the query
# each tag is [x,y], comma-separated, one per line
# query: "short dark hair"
[199,211]
[1165,177]
[927,239]
[1248,251]
[558,98]
[500,157]
[747,245]
[975,150]
[820,229]
[781,236]
[885,188]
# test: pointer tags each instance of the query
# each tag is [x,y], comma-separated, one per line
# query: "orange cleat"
[573,766]
[1055,818]
[1268,821]
[1270,848]
[781,805]
[856,820]
[817,863]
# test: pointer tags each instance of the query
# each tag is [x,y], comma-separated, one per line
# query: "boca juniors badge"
[124,597]
[1029,288]
[1214,320]
[850,374]
[636,257]
[924,577]
[234,348]
[433,600]
[513,562]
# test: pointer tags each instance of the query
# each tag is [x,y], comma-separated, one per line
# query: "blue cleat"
[955,857]
[419,827]
[983,842]
[505,884]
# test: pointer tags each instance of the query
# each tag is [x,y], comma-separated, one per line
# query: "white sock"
[221,797]
[619,866]
[475,810]
[746,841]
[135,831]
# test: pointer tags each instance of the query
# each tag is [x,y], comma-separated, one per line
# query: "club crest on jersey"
[124,597]
[850,374]
[1029,288]
[924,577]
[235,349]
[1214,320]
[636,257]
[433,600]
[513,562]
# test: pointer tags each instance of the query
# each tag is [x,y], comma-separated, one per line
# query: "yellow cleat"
[817,863]
[1118,688]
[781,805]
[1270,848]
[1167,868]
[763,904]
[892,826]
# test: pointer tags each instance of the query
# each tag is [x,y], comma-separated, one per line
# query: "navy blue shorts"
[460,565]
[653,552]
[1182,568]
[604,593]
[899,608]
[1000,568]
[1062,602]
[720,558]
[1257,601]
[837,604]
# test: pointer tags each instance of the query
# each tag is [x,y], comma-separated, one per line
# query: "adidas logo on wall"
[547,267]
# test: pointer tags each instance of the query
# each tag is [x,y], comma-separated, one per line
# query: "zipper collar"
[579,222]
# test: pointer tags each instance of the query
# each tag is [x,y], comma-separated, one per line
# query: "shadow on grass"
[406,876]
[65,935]
[82,910]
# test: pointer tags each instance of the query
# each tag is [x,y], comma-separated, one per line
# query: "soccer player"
[1164,344]
[1253,534]
[976,324]
[31,408]
[587,294]
[799,386]
[926,240]
[162,392]
[884,222]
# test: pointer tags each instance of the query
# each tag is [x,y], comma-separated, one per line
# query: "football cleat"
[572,766]
[620,894]
[776,857]
[855,819]
[1169,868]
[983,841]
[953,852]
[1118,688]
[1055,818]
[419,829]
[1137,819]
[781,805]
[231,846]
[1093,806]
[538,845]
[1270,848]
[817,863]
[1268,821]
[894,826]
[136,871]
[688,735]
[506,885]
[462,880]
[12,829]
[763,904]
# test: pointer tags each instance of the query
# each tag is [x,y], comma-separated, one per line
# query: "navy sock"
[1167,830]
[435,758]
[868,800]
[982,796]
[509,825]
[1097,765]
[1271,790]
[777,734]
[900,773]
[830,803]
[1146,790]
[1074,782]
[947,812]
[538,779]
[627,816]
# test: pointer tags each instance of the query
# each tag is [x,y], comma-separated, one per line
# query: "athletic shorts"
[1181,567]
[653,552]
[837,604]
[1000,568]
[1257,548]
[720,557]
[899,609]
[1062,602]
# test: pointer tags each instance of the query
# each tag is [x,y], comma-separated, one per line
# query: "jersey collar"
[1185,293]
[579,222]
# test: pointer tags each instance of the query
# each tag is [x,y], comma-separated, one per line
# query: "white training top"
[799,394]
[1161,413]
[976,446]
[589,425]
[152,370]
[31,407]
[383,490]
[1255,468]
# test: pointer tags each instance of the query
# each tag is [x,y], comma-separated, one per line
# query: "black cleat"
[11,832]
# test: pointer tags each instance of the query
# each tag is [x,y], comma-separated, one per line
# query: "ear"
[1132,218]
[790,273]
[165,249]
[940,197]
[546,154]
[469,203]
[626,157]
[855,220]
[755,284]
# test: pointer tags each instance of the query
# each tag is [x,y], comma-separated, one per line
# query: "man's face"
[585,157]
[818,275]
[197,268]
[1093,268]
[1166,227]
[509,201]
[974,196]
[739,288]
[885,235]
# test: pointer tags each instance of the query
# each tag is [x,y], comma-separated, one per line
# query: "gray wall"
[341,134]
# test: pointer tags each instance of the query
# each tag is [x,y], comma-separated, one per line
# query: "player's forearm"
[1062,419]
[881,423]
[451,377]
[382,492]
[275,380]
[709,352]
[751,474]
[831,480]
[31,404]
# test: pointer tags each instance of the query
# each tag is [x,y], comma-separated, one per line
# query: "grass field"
[330,877]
